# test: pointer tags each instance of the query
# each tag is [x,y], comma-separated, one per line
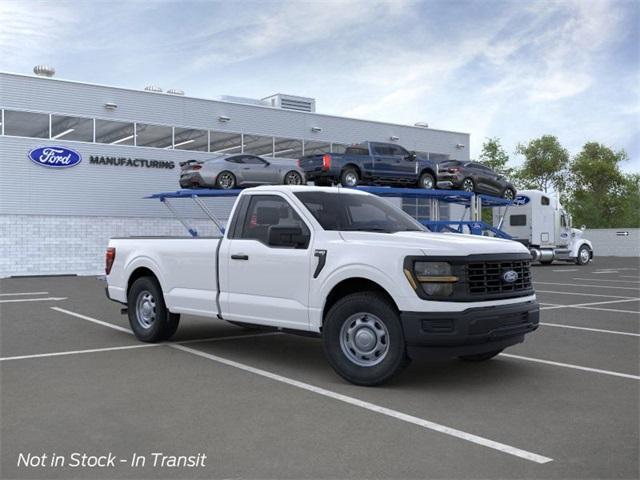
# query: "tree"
[545,164]
[601,195]
[495,157]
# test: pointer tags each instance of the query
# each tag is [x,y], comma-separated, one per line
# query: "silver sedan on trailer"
[240,170]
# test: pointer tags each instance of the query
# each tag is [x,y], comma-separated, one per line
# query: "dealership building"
[129,144]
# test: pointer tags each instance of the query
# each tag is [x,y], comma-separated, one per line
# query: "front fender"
[579,243]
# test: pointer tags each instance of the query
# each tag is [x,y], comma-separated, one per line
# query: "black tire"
[468,185]
[349,177]
[508,194]
[293,178]
[584,255]
[481,357]
[226,180]
[546,262]
[427,181]
[147,327]
[376,314]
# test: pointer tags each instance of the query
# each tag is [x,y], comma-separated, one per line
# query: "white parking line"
[533,457]
[569,365]
[94,320]
[567,270]
[577,305]
[76,352]
[592,286]
[614,310]
[598,330]
[607,280]
[580,294]
[628,276]
[22,293]
[47,299]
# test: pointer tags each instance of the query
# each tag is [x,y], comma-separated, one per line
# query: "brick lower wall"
[57,245]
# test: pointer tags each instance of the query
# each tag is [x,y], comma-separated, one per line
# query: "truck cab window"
[518,220]
[265,211]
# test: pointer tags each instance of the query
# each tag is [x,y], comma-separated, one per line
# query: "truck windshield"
[352,212]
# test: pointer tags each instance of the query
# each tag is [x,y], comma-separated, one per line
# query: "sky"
[509,69]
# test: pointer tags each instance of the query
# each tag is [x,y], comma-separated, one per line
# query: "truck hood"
[447,244]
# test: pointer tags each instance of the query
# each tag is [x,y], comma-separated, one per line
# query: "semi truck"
[373,283]
[538,221]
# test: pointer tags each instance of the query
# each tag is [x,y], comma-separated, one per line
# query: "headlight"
[434,278]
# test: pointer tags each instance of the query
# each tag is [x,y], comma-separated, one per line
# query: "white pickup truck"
[345,265]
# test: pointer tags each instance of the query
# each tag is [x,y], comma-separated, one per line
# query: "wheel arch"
[354,166]
[429,170]
[139,272]
[353,285]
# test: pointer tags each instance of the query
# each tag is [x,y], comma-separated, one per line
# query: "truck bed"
[185,266]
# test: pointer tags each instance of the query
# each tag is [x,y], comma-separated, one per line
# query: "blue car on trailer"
[371,163]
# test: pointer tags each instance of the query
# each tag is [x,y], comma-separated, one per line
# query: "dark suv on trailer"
[474,177]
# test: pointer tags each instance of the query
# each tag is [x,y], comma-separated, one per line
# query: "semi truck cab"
[538,221]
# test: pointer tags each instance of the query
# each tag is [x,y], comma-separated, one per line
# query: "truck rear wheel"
[148,315]
[363,339]
[349,177]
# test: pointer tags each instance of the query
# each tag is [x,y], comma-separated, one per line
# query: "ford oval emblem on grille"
[55,157]
[510,276]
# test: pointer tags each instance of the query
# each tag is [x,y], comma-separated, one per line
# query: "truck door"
[262,284]
[565,230]
[403,167]
[384,160]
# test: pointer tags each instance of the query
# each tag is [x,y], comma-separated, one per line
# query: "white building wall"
[612,242]
[59,245]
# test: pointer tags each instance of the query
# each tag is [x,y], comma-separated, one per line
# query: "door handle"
[239,256]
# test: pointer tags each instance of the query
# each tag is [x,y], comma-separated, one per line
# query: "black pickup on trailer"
[371,163]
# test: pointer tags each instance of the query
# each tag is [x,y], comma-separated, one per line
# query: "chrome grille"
[486,277]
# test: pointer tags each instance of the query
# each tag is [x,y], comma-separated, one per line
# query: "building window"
[114,133]
[26,124]
[157,136]
[71,128]
[190,139]
[258,145]
[287,148]
[438,157]
[314,148]
[225,142]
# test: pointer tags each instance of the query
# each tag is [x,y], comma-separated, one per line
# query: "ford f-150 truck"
[342,264]
[371,163]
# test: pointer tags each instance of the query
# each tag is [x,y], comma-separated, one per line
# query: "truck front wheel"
[584,255]
[363,339]
[148,315]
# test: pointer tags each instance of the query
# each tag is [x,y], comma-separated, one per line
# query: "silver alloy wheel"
[225,180]
[427,182]
[145,309]
[508,194]
[351,179]
[364,339]
[467,185]
[293,178]
[584,255]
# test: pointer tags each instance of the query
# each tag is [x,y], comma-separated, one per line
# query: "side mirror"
[583,228]
[287,236]
[412,156]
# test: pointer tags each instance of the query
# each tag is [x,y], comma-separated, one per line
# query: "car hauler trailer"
[538,221]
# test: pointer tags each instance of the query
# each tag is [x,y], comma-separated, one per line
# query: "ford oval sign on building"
[55,157]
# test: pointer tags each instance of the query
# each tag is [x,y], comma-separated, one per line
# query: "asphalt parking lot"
[565,404]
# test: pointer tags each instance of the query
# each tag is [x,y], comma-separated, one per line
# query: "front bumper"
[470,332]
